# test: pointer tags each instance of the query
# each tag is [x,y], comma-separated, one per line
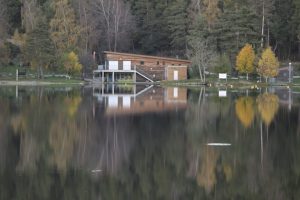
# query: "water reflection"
[142,142]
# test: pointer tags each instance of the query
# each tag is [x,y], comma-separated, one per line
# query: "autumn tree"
[268,64]
[245,60]
[244,109]
[71,63]
[211,12]
[63,27]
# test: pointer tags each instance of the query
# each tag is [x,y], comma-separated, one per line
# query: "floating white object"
[96,170]
[218,144]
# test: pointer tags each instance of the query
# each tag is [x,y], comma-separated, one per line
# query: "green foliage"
[222,64]
[39,49]
[177,23]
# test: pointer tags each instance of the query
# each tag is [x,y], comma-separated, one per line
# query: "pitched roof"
[146,56]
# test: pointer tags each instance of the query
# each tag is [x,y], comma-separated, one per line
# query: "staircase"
[143,74]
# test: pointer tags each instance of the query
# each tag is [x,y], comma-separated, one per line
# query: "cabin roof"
[147,56]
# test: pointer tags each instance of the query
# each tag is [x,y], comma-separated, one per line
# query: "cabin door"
[175,75]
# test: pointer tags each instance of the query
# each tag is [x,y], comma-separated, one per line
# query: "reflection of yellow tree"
[207,177]
[267,106]
[72,105]
[244,110]
[64,133]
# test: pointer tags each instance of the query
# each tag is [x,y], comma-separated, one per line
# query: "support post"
[290,72]
[113,77]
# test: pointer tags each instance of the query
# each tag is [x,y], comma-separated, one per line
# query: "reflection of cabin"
[140,100]
[140,68]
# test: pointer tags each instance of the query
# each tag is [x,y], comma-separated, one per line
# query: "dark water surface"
[140,142]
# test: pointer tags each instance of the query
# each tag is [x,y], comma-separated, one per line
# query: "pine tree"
[39,49]
[177,23]
[245,60]
[268,64]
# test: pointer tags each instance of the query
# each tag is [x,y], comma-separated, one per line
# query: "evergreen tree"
[39,49]
[234,29]
[177,23]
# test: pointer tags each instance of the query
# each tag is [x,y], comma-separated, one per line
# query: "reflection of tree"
[207,177]
[268,105]
[244,108]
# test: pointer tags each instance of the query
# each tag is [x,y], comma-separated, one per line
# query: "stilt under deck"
[112,76]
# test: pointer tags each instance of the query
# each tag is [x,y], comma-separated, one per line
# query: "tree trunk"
[247,77]
[262,25]
[200,73]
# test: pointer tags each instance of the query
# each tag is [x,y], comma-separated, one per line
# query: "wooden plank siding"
[182,72]
[153,66]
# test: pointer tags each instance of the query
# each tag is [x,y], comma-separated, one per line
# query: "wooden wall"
[154,67]
[182,72]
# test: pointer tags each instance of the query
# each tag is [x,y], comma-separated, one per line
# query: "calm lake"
[146,142]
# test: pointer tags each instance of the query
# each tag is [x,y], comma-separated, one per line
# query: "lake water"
[143,142]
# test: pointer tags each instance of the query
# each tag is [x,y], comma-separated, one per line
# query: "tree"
[235,28]
[201,55]
[31,14]
[39,49]
[211,12]
[63,27]
[268,64]
[177,23]
[71,63]
[112,19]
[245,60]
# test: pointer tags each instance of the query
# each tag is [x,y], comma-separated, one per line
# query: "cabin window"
[142,62]
[179,64]
[157,62]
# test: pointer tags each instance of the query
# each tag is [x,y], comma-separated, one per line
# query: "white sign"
[223,76]
[126,65]
[113,65]
[222,93]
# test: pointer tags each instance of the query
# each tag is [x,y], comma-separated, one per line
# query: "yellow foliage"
[244,109]
[245,59]
[268,105]
[207,176]
[72,105]
[268,64]
[71,63]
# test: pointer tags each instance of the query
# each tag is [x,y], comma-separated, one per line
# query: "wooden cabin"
[141,68]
